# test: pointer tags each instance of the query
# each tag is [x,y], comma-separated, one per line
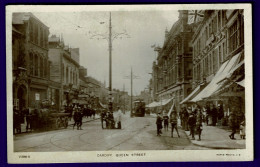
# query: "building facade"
[172,72]
[218,59]
[30,60]
[64,69]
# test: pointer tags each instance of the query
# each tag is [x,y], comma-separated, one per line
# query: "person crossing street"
[173,121]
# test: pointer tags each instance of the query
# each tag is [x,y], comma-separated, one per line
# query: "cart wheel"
[58,123]
[66,122]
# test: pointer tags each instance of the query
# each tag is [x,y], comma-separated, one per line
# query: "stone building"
[172,72]
[30,60]
[64,69]
[218,59]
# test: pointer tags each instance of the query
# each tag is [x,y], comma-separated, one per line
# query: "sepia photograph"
[123,83]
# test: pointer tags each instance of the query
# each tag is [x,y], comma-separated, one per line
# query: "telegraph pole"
[124,96]
[132,77]
[110,64]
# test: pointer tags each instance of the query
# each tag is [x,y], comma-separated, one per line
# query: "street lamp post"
[110,39]
[110,104]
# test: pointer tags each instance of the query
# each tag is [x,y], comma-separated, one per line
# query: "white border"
[151,156]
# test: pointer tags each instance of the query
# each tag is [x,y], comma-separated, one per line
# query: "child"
[242,130]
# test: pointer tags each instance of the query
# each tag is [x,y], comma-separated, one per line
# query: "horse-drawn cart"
[48,118]
[61,119]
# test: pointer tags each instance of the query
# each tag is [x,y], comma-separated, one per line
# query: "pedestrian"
[199,123]
[181,116]
[119,118]
[15,120]
[165,122]
[174,121]
[232,121]
[77,119]
[111,121]
[242,130]
[80,119]
[103,117]
[192,124]
[159,124]
[214,115]
[28,121]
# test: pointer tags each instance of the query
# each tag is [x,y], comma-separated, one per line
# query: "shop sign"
[37,96]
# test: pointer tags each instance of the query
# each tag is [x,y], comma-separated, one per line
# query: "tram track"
[57,143]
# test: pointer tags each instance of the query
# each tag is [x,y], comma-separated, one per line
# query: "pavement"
[215,137]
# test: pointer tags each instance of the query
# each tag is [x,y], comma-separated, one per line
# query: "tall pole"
[110,37]
[131,77]
[110,63]
[124,96]
[131,91]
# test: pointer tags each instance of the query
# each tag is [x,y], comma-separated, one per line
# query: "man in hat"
[185,118]
[119,118]
[233,123]
[192,124]
[103,117]
[173,120]
[159,124]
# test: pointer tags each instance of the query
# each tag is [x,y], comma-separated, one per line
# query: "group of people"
[165,120]
[236,122]
[110,121]
[22,115]
[192,119]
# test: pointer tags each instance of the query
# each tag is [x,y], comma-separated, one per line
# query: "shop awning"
[222,73]
[151,105]
[160,103]
[82,102]
[241,83]
[102,105]
[191,95]
[172,108]
[165,101]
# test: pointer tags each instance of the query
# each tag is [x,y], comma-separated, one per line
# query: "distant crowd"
[193,119]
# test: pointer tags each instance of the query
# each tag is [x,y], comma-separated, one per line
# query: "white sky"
[145,28]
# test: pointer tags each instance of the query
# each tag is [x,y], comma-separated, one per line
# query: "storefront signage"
[37,96]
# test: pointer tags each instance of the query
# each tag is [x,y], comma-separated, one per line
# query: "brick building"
[64,69]
[30,60]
